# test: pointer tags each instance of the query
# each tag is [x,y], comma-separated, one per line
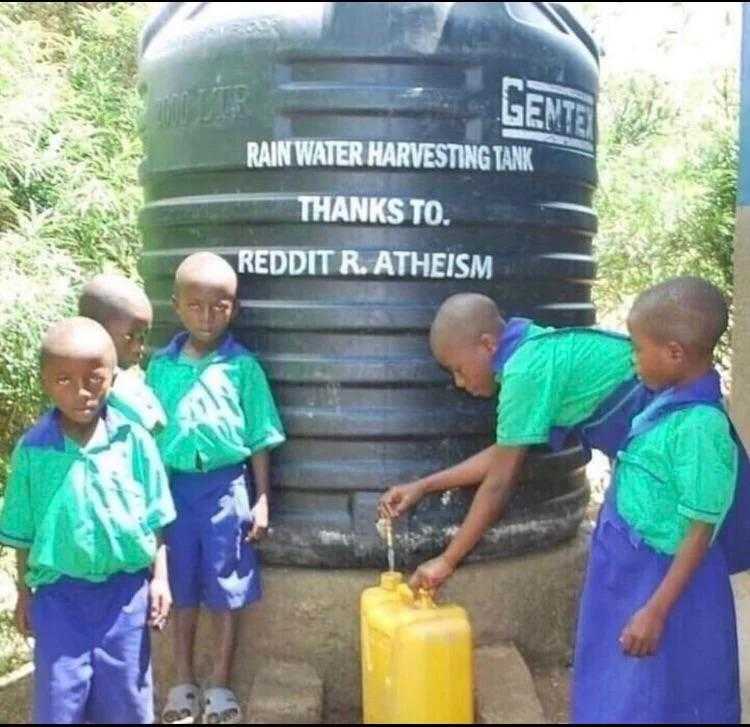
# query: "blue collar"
[705,390]
[512,337]
[47,432]
[228,349]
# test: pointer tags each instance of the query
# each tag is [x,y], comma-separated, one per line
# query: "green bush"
[14,650]
[668,180]
[69,154]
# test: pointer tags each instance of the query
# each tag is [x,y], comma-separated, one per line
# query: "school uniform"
[681,463]
[558,384]
[88,515]
[220,412]
[131,396]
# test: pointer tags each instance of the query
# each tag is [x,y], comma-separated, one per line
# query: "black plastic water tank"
[357,163]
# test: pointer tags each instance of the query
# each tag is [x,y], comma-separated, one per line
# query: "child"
[551,382]
[657,638]
[126,314]
[220,414]
[85,501]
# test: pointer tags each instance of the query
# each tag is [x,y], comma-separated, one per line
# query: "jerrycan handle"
[406,594]
[423,598]
[426,598]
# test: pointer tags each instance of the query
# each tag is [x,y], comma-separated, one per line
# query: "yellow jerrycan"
[416,657]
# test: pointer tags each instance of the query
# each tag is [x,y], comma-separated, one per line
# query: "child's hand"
[256,534]
[641,636]
[260,520]
[432,574]
[399,499]
[161,603]
[22,615]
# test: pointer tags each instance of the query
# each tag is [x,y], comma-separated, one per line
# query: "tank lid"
[576,28]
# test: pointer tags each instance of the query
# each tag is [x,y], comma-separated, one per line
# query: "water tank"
[357,163]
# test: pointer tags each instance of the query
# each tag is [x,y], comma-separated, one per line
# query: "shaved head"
[463,319]
[78,338]
[111,296]
[206,269]
[464,337]
[688,310]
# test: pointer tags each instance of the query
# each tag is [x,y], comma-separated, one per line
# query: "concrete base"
[312,616]
[505,692]
[285,692]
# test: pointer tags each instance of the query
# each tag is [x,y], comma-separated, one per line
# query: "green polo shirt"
[557,378]
[682,470]
[131,396]
[85,512]
[220,410]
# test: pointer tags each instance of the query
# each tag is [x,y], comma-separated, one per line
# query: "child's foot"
[220,706]
[182,705]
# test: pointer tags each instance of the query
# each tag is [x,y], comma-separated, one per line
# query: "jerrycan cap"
[390,580]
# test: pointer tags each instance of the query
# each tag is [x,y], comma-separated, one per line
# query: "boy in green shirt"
[657,639]
[220,416]
[86,499]
[119,305]
[551,382]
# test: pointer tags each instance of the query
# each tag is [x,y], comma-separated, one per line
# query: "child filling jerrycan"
[416,656]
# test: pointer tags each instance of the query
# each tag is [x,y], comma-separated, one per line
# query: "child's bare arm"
[641,636]
[469,473]
[159,591]
[488,505]
[261,464]
[23,605]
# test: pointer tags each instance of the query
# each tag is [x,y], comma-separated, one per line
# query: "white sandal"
[182,705]
[220,706]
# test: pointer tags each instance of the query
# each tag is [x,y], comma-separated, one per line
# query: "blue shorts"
[210,563]
[92,656]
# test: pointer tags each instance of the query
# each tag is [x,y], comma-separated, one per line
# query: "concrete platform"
[551,681]
[505,690]
[285,693]
[312,616]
